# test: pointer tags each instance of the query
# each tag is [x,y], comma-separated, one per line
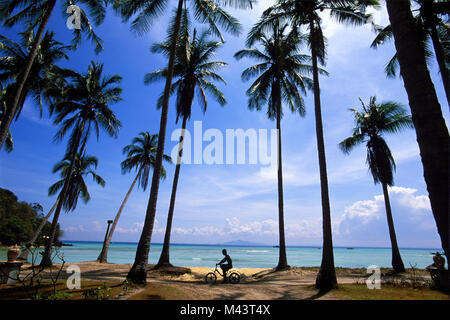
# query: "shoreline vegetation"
[101,281]
[57,245]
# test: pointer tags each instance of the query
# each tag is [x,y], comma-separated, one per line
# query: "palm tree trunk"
[282,259]
[326,278]
[24,254]
[397,263]
[439,52]
[12,108]
[164,259]
[138,272]
[46,257]
[103,257]
[431,130]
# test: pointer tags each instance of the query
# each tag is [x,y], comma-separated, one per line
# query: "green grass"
[19,292]
[388,292]
[156,291]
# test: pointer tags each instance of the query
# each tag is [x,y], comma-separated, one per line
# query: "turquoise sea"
[244,256]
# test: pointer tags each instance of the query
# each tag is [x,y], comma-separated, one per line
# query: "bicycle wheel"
[211,278]
[234,278]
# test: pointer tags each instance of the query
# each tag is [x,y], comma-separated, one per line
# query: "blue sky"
[219,203]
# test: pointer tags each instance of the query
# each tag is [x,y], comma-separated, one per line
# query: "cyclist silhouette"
[225,266]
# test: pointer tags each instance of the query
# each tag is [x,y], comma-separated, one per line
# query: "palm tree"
[281,77]
[76,170]
[145,11]
[15,56]
[431,130]
[141,157]
[37,13]
[430,25]
[194,71]
[370,125]
[9,142]
[72,171]
[307,13]
[82,105]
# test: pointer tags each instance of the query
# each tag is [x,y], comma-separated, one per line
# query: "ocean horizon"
[243,244]
[244,256]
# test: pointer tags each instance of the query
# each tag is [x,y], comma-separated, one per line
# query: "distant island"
[244,243]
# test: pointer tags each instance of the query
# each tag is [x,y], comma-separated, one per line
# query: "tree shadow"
[229,296]
[265,273]
[317,295]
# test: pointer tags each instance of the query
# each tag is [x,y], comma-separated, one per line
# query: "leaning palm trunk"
[46,258]
[138,272]
[164,259]
[24,254]
[397,263]
[282,259]
[326,278]
[103,257]
[441,61]
[431,130]
[12,108]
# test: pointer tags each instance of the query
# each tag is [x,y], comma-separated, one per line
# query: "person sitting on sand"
[225,266]
[438,262]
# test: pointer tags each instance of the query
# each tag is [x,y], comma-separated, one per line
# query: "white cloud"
[135,228]
[365,221]
[266,227]
[265,231]
[70,229]
[78,228]
[408,199]
[365,209]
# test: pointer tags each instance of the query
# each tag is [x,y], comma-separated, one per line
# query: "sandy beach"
[180,283]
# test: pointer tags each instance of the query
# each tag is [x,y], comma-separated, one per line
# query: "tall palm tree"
[281,78]
[83,106]
[80,167]
[37,13]
[9,142]
[308,13]
[15,55]
[431,130]
[193,71]
[145,11]
[430,25]
[141,157]
[370,125]
[74,172]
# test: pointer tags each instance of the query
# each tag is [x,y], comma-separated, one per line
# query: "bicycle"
[233,277]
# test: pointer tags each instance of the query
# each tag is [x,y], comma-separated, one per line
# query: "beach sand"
[256,284]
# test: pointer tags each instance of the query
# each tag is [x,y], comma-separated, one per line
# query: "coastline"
[225,245]
[188,283]
[243,256]
[93,270]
